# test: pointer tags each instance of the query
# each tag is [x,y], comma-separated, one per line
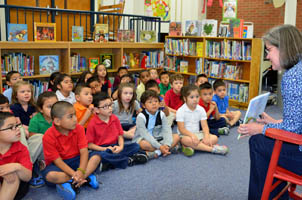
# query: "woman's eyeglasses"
[13,127]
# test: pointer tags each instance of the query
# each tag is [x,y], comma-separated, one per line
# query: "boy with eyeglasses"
[105,136]
[15,164]
[94,83]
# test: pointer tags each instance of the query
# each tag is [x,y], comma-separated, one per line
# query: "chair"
[275,171]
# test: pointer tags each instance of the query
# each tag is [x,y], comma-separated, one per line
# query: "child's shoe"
[177,149]
[92,181]
[138,158]
[106,166]
[238,122]
[65,191]
[151,155]
[223,131]
[220,149]
[37,182]
[188,151]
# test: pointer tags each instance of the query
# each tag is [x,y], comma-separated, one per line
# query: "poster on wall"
[158,8]
[229,10]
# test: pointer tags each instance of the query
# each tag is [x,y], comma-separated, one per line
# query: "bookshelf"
[237,61]
[65,50]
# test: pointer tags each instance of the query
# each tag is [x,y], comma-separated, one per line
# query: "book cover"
[236,28]
[175,29]
[191,28]
[183,66]
[48,64]
[209,28]
[93,62]
[77,34]
[107,60]
[125,36]
[101,33]
[17,32]
[199,49]
[148,36]
[45,32]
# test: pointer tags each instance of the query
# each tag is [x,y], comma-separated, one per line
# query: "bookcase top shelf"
[210,38]
[225,59]
[34,45]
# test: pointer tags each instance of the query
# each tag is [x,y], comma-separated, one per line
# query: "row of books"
[221,69]
[145,59]
[184,47]
[229,49]
[17,62]
[77,63]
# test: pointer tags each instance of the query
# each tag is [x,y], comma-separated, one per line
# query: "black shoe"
[75,189]
[238,122]
[106,166]
[137,159]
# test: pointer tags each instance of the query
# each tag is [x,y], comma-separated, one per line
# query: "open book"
[256,107]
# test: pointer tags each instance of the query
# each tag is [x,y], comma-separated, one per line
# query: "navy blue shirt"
[20,112]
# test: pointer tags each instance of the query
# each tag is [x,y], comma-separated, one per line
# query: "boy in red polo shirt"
[172,97]
[217,124]
[68,164]
[15,164]
[105,136]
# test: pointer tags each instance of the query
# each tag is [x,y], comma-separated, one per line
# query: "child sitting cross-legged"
[15,164]
[189,117]
[68,163]
[105,136]
[153,133]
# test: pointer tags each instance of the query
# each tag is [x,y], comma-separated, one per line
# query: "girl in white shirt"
[64,86]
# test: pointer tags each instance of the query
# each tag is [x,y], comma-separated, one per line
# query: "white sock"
[157,152]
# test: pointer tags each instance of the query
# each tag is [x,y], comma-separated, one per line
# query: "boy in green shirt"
[164,85]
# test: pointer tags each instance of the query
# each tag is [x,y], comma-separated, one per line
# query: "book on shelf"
[199,49]
[175,29]
[199,66]
[147,36]
[101,33]
[222,69]
[192,28]
[209,28]
[236,28]
[183,66]
[78,63]
[17,32]
[48,64]
[237,91]
[77,34]
[17,61]
[125,36]
[223,30]
[248,30]
[93,62]
[185,47]
[38,87]
[145,59]
[107,59]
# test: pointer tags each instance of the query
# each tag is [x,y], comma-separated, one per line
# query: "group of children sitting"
[70,132]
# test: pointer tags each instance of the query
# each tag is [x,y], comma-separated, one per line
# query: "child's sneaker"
[92,181]
[188,151]
[220,149]
[36,182]
[223,131]
[65,191]
[106,166]
[238,122]
[176,149]
[138,158]
[151,155]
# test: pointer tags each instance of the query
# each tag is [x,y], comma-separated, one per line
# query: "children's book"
[209,28]
[183,66]
[48,64]
[101,33]
[236,28]
[125,36]
[147,36]
[256,108]
[192,28]
[93,62]
[199,49]
[107,60]
[175,29]
[17,32]
[77,33]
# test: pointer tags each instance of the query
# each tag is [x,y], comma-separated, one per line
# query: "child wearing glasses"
[15,164]
[105,136]
[68,163]
[94,84]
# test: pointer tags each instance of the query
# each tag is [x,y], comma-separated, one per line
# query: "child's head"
[64,83]
[190,95]
[150,101]
[122,71]
[126,95]
[153,74]
[101,72]
[127,78]
[164,78]
[45,102]
[51,82]
[23,93]
[94,83]
[84,77]
[152,85]
[219,88]
[4,104]
[102,104]
[9,128]
[83,95]
[177,81]
[12,77]
[206,92]
[200,79]
[63,115]
[144,76]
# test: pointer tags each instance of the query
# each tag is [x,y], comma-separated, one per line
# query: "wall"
[264,16]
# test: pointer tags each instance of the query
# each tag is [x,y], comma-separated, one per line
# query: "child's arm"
[206,132]
[118,148]
[109,91]
[166,131]
[212,108]
[23,173]
[115,94]
[166,109]
[64,167]
[95,147]
[184,131]
[217,114]
[171,110]
[79,174]
[167,103]
[86,115]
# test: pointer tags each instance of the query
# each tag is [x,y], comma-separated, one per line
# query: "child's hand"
[117,149]
[110,147]
[213,105]
[9,168]
[10,178]
[78,177]
[91,107]
[206,140]
[229,115]
[162,104]
[164,149]
[195,140]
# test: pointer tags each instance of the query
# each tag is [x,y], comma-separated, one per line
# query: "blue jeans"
[261,148]
[214,125]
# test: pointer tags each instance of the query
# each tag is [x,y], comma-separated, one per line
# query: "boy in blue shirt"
[12,77]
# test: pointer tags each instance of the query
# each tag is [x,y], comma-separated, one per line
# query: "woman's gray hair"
[288,39]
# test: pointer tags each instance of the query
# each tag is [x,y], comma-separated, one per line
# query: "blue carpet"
[203,176]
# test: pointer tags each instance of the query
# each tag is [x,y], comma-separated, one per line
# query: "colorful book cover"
[93,62]
[77,33]
[125,36]
[48,64]
[192,28]
[183,66]
[199,49]
[101,33]
[17,32]
[175,29]
[236,28]
[107,60]
[147,36]
[209,28]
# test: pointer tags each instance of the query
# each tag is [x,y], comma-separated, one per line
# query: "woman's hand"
[266,119]
[250,129]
